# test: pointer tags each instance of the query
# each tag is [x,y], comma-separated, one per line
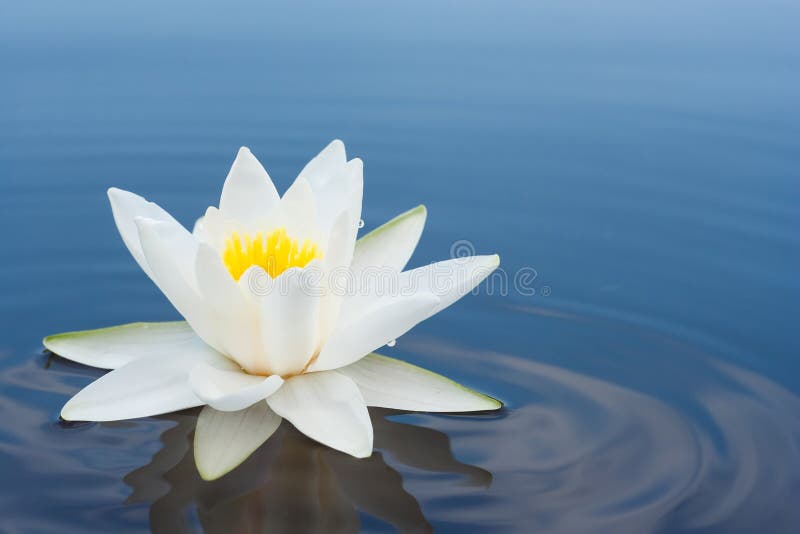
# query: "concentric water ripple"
[720,452]
[569,453]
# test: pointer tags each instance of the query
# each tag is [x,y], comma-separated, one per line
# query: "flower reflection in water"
[295,484]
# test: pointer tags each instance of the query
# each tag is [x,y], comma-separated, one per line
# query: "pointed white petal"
[143,387]
[338,254]
[214,229]
[290,320]
[166,251]
[223,440]
[248,193]
[448,280]
[114,346]
[326,163]
[337,183]
[354,178]
[215,283]
[389,383]
[379,258]
[198,230]
[235,315]
[390,318]
[126,206]
[451,279]
[392,244]
[230,390]
[326,407]
[299,211]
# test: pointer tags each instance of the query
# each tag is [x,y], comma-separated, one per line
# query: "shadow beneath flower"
[292,483]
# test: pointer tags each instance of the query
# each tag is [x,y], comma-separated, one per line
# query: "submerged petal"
[147,386]
[389,383]
[248,193]
[388,319]
[223,440]
[328,408]
[230,390]
[114,346]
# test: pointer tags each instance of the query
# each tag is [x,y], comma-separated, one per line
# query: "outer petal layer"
[114,346]
[223,440]
[388,319]
[126,206]
[391,244]
[389,383]
[230,390]
[329,408]
[171,256]
[147,386]
[451,279]
[447,280]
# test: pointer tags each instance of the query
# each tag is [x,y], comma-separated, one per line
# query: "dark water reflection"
[294,484]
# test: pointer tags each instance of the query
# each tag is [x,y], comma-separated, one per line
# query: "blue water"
[642,159]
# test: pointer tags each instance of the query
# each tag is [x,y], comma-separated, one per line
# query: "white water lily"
[300,351]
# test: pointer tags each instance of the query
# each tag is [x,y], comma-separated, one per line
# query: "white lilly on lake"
[270,332]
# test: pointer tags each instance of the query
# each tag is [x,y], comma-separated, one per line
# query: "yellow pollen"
[274,252]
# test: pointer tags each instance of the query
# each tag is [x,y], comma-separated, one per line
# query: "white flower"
[299,350]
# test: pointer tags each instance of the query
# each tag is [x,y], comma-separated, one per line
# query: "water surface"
[642,159]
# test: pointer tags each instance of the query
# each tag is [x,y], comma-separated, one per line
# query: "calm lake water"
[642,159]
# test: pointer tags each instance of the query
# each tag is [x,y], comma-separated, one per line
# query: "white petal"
[147,386]
[379,258]
[325,164]
[338,254]
[451,279]
[235,315]
[114,346]
[214,229]
[223,440]
[298,211]
[448,280]
[392,244]
[326,407]
[390,318]
[126,206]
[248,193]
[198,230]
[337,183]
[290,320]
[230,390]
[389,383]
[354,177]
[165,250]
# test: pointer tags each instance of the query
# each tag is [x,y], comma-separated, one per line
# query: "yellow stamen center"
[274,252]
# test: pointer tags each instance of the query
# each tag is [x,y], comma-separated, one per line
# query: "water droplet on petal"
[392,343]
[361,223]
